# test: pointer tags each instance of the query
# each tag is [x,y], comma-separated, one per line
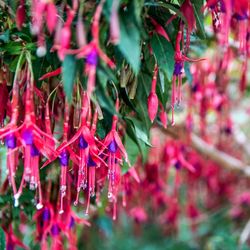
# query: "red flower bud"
[80,33]
[65,37]
[164,118]
[114,23]
[51,17]
[20,16]
[188,12]
[37,14]
[152,106]
[3,101]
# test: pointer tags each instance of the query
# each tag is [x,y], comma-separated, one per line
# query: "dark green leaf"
[2,240]
[170,7]
[130,39]
[3,164]
[140,130]
[68,75]
[197,6]
[164,54]
[133,152]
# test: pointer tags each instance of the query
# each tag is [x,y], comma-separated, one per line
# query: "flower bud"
[20,16]
[80,33]
[114,23]
[152,106]
[164,119]
[51,17]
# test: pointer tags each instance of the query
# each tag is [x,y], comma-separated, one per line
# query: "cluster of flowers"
[30,133]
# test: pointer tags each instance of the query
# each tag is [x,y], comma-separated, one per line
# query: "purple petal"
[90,162]
[64,159]
[177,68]
[112,147]
[27,136]
[72,222]
[10,141]
[34,151]
[10,246]
[92,58]
[46,214]
[177,165]
[82,143]
[55,230]
[240,17]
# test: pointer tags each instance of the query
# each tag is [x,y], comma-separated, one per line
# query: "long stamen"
[173,98]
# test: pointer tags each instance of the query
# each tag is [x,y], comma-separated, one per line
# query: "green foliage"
[68,75]
[2,240]
[129,43]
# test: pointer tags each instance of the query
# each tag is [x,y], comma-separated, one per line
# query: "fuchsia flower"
[12,241]
[64,35]
[92,51]
[41,9]
[188,12]
[177,74]
[112,144]
[139,214]
[152,98]
[64,152]
[30,136]
[174,156]
[49,223]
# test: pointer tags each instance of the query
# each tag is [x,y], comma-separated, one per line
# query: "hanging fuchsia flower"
[241,14]
[64,152]
[152,98]
[174,155]
[92,51]
[177,74]
[38,9]
[43,10]
[115,151]
[10,139]
[88,152]
[64,36]
[12,241]
[31,137]
[49,224]
[51,16]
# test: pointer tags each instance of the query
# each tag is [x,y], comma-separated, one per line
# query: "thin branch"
[223,159]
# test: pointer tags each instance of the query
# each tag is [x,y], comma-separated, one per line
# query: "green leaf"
[188,73]
[140,130]
[68,75]
[197,6]
[5,36]
[2,240]
[169,7]
[130,39]
[3,164]
[133,152]
[138,5]
[164,54]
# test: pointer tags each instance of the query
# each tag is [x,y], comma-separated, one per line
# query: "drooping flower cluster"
[40,126]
